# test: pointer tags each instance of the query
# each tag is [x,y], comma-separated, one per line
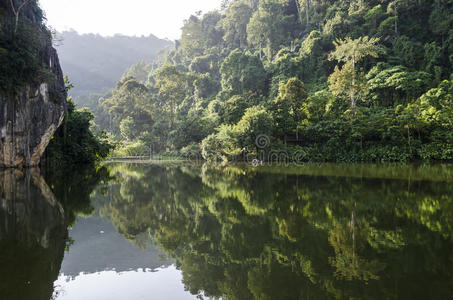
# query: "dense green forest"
[353,80]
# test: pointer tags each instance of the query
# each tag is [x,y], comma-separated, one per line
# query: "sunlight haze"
[164,19]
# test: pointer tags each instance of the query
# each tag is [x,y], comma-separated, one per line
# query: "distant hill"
[95,63]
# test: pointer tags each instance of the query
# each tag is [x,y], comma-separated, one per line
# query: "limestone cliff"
[30,117]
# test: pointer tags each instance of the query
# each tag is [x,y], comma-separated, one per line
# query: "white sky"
[163,18]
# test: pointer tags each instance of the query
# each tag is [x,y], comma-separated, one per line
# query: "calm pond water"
[184,231]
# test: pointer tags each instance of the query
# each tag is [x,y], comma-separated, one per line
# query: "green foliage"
[230,141]
[191,151]
[396,85]
[140,71]
[255,122]
[222,145]
[205,87]
[192,38]
[237,16]
[127,128]
[407,52]
[74,142]
[234,109]
[337,80]
[268,27]
[289,106]
[22,55]
[102,118]
[128,100]
[132,149]
[241,73]
[351,52]
[285,65]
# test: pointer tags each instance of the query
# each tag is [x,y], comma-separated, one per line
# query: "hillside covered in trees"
[94,62]
[351,80]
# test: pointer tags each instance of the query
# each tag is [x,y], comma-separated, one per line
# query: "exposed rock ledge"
[29,120]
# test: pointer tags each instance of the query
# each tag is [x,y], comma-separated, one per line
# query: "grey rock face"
[29,120]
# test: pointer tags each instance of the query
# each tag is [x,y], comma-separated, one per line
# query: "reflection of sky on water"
[99,247]
[102,264]
[162,283]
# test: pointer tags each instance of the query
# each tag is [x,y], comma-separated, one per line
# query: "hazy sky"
[163,18]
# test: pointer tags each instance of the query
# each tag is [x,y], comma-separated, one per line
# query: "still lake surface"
[187,231]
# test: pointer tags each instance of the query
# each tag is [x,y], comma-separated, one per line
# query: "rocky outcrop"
[29,119]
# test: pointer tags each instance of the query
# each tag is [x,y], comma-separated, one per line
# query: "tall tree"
[269,27]
[307,5]
[241,73]
[395,7]
[17,11]
[292,95]
[237,16]
[192,38]
[351,52]
[172,85]
[131,99]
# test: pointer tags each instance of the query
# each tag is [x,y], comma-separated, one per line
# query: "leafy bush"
[75,143]
[192,151]
[133,149]
[21,56]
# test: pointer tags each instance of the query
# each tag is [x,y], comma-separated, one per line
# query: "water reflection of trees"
[242,233]
[34,216]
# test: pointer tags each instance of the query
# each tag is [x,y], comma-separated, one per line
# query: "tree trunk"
[409,138]
[172,107]
[353,84]
[17,13]
[396,21]
[16,24]
[298,11]
[260,51]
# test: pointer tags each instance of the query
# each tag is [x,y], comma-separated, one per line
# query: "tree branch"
[17,12]
[12,6]
[22,5]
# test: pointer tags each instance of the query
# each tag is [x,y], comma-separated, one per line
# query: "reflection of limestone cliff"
[28,206]
[32,236]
